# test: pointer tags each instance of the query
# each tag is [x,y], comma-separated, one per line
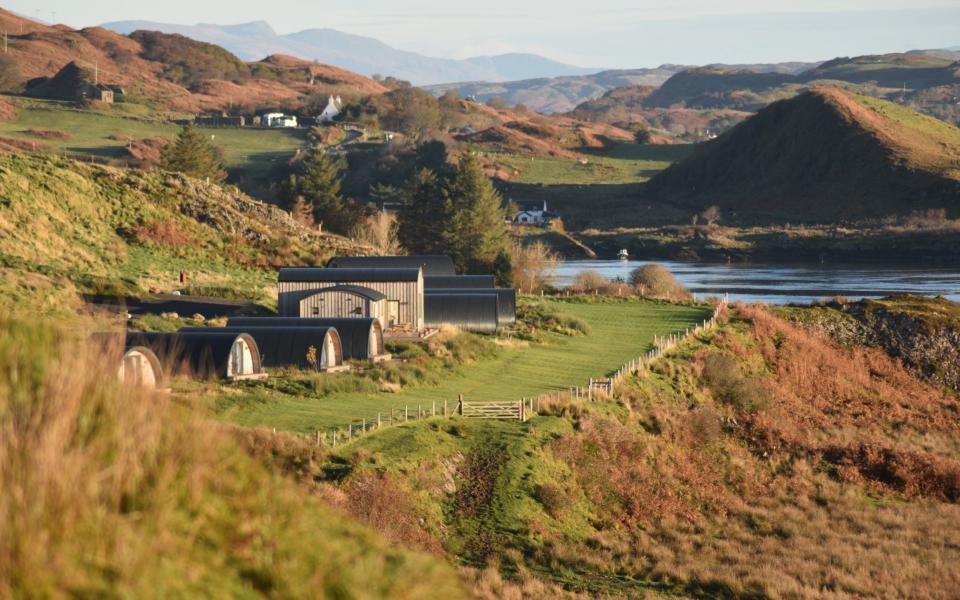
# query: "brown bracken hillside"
[169,71]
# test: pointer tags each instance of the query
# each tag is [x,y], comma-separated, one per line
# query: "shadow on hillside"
[601,206]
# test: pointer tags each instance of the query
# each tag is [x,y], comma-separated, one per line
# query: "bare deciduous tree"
[380,231]
[533,266]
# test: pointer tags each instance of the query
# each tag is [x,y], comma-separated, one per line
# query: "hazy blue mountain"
[364,55]
[558,94]
[515,66]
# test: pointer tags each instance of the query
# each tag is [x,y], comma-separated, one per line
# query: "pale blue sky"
[593,33]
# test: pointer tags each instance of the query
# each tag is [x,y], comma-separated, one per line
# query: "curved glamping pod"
[361,339]
[204,354]
[140,367]
[316,348]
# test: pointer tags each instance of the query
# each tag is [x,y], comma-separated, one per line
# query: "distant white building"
[278,120]
[332,111]
[532,214]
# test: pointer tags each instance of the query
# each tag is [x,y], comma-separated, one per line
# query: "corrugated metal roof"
[283,346]
[354,289]
[506,307]
[432,264]
[354,332]
[203,354]
[460,281]
[323,275]
[470,312]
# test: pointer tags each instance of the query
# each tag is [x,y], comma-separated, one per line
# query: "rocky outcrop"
[922,332]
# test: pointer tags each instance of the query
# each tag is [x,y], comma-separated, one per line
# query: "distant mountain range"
[564,93]
[364,55]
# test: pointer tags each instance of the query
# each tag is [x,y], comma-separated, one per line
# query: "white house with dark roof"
[532,213]
[332,111]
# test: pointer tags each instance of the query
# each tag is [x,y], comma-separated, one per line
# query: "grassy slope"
[65,225]
[110,492]
[683,487]
[622,163]
[618,332]
[253,150]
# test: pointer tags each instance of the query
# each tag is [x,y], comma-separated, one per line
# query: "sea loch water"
[783,283]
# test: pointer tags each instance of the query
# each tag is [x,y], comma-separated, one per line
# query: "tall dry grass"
[534,266]
[121,492]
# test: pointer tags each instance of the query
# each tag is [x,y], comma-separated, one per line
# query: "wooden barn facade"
[402,290]
[345,301]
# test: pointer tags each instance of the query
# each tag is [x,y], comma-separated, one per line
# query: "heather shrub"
[704,425]
[722,375]
[551,497]
[381,501]
[657,281]
[589,280]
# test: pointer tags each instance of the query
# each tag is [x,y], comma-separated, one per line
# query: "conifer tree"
[423,216]
[194,155]
[320,186]
[476,232]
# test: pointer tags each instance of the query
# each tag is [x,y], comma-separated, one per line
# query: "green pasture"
[618,331]
[90,133]
[620,164]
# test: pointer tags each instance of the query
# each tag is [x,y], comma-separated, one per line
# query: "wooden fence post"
[434,409]
[406,414]
[350,433]
[378,421]
[364,425]
[444,407]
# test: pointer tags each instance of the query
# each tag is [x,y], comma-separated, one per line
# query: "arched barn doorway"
[242,358]
[140,367]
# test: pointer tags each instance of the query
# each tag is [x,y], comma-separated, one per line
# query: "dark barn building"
[506,305]
[459,281]
[469,312]
[432,265]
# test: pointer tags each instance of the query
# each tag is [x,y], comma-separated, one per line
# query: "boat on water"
[624,255]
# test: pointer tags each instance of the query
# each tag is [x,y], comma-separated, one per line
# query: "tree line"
[446,207]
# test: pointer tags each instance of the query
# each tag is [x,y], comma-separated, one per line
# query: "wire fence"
[523,408]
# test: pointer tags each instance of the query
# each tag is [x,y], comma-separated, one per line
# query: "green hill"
[69,227]
[826,155]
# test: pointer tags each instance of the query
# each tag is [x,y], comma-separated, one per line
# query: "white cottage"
[332,111]
[532,214]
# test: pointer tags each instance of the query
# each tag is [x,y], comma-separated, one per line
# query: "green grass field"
[624,163]
[253,150]
[619,331]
